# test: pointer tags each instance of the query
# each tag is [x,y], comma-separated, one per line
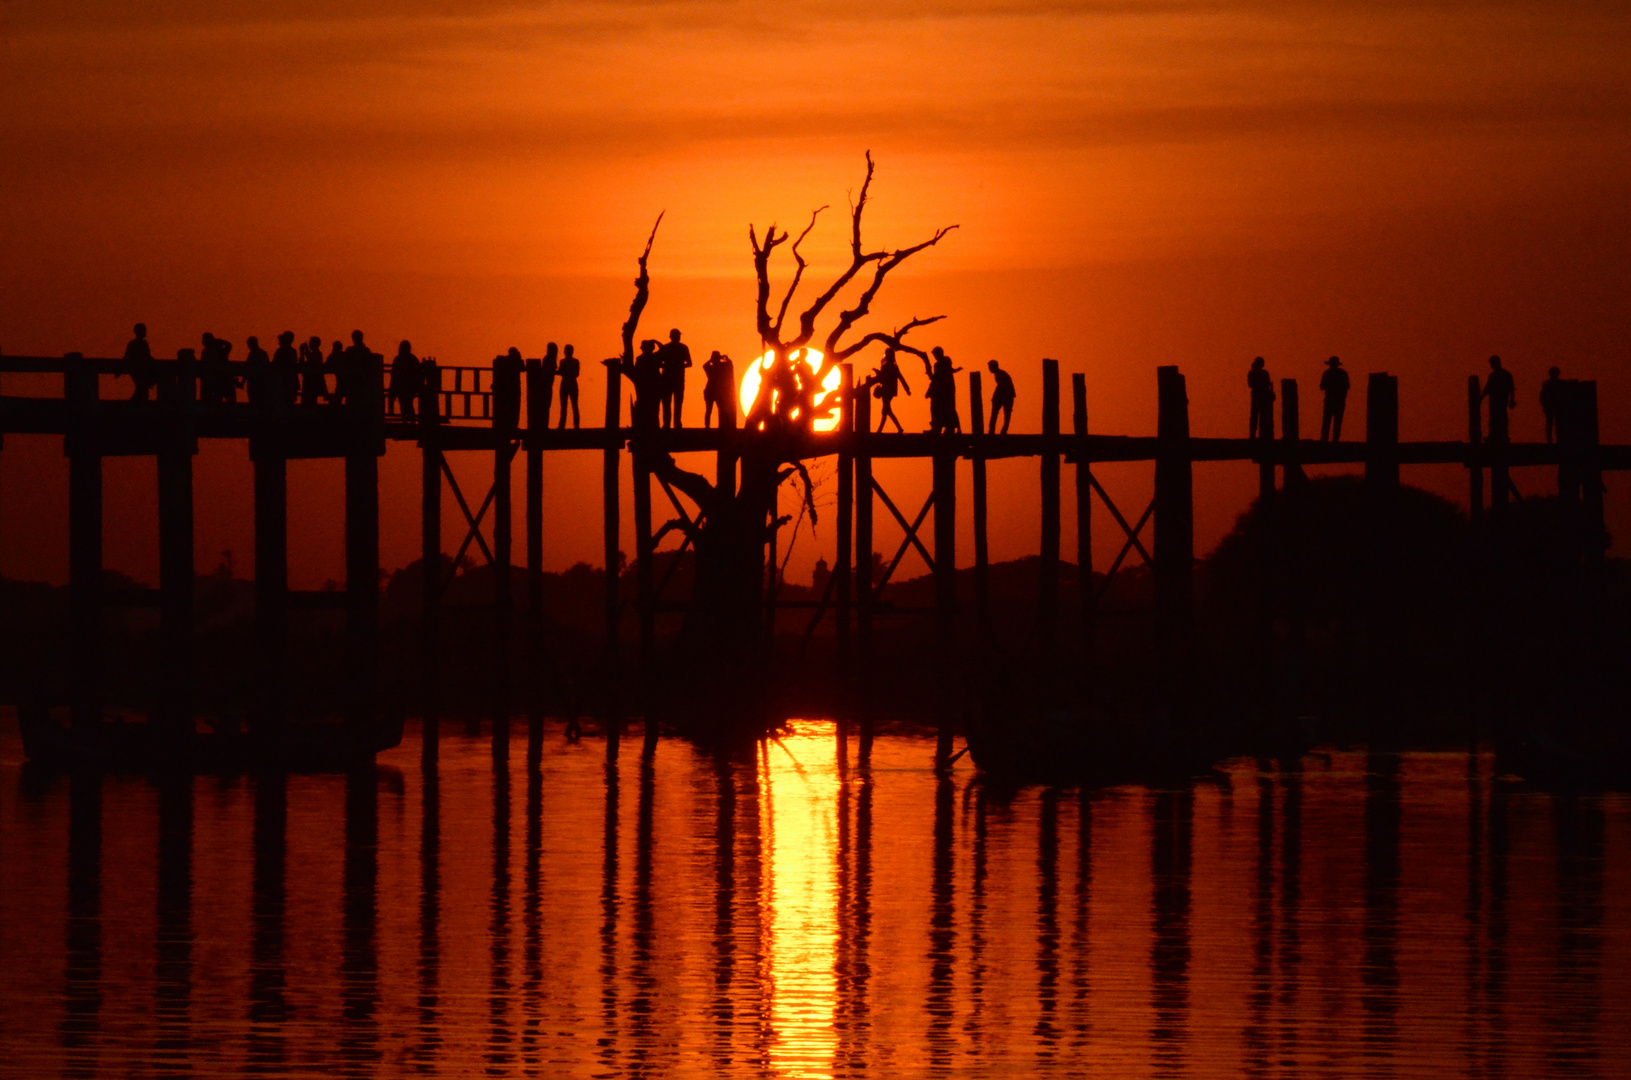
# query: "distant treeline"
[1401,621]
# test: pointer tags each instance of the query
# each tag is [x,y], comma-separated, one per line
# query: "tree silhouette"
[720,658]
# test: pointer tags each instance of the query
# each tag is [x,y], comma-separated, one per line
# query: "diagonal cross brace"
[1132,538]
[472,520]
[1132,533]
[910,538]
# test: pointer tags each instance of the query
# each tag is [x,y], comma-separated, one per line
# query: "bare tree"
[720,657]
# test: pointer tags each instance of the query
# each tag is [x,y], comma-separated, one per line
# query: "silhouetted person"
[570,367]
[313,383]
[335,366]
[942,394]
[646,373]
[215,378]
[1334,385]
[675,358]
[356,367]
[1549,402]
[258,375]
[139,364]
[1502,395]
[719,389]
[507,371]
[548,368]
[407,379]
[886,382]
[1002,397]
[286,368]
[1258,381]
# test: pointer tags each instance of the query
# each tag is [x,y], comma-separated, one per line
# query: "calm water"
[779,917]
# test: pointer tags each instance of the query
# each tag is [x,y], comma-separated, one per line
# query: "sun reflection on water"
[800,855]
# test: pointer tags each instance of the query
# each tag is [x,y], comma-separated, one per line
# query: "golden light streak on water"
[801,860]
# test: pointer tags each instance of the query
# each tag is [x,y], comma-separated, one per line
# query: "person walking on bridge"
[1261,385]
[1334,385]
[1002,397]
[886,382]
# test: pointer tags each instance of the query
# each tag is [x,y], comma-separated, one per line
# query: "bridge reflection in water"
[779,915]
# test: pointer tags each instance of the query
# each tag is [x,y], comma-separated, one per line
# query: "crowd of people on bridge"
[1498,393]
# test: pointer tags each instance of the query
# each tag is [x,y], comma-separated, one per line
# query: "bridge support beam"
[430,561]
[1174,528]
[84,544]
[271,581]
[863,569]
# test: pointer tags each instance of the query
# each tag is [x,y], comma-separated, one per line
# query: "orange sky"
[1412,186]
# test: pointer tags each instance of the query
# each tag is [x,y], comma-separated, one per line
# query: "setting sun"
[822,400]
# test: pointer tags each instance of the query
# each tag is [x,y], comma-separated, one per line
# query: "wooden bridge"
[456,413]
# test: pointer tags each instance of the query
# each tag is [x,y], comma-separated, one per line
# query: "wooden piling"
[365,411]
[863,568]
[271,578]
[982,550]
[945,595]
[1382,431]
[613,719]
[645,584]
[503,595]
[84,543]
[176,571]
[844,556]
[537,429]
[430,559]
[1174,515]
[1265,457]
[1475,437]
[1592,497]
[1048,584]
[1084,504]
[1292,474]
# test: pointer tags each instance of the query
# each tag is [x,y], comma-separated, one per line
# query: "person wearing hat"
[1334,385]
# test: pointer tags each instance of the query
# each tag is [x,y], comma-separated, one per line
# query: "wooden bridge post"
[1174,518]
[844,556]
[1048,584]
[945,592]
[1084,504]
[1382,431]
[1265,457]
[1475,437]
[537,431]
[503,594]
[1293,475]
[863,567]
[430,557]
[366,413]
[176,570]
[645,589]
[1587,468]
[271,574]
[610,494]
[982,550]
[84,542]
